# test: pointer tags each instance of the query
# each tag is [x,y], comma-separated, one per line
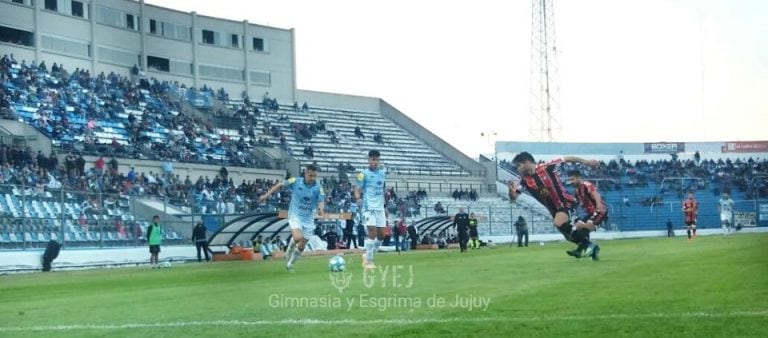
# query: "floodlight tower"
[544,100]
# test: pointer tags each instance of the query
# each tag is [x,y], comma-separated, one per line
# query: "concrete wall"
[21,132]
[88,257]
[281,158]
[337,101]
[192,169]
[436,185]
[17,16]
[492,172]
[19,52]
[277,59]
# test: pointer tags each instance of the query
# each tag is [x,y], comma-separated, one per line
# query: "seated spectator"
[235,249]
[441,242]
[378,138]
[330,238]
[439,208]
[277,242]
[53,183]
[264,248]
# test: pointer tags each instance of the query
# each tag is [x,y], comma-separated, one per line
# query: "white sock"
[294,256]
[376,245]
[369,247]
[291,245]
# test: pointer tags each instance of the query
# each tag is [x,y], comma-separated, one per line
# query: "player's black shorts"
[154,249]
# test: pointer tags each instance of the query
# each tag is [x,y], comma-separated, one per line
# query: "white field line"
[762,314]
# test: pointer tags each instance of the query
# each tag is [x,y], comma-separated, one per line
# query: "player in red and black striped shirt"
[690,210]
[543,183]
[596,213]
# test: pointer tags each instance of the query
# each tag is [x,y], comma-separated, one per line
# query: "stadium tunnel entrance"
[433,225]
[271,224]
[248,228]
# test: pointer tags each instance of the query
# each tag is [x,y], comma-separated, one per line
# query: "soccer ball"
[337,264]
[167,264]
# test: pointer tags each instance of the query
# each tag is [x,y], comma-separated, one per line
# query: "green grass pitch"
[711,287]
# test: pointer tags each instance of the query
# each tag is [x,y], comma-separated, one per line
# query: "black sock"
[581,237]
[689,233]
[566,229]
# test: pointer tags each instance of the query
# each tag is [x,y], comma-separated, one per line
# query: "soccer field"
[711,287]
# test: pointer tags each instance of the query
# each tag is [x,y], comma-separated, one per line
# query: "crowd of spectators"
[103,185]
[77,109]
[465,195]
[678,176]
[135,117]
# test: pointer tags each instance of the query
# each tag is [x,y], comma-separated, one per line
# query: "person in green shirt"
[155,238]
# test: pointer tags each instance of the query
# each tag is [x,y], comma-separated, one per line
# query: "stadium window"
[222,73]
[152,26]
[235,41]
[19,2]
[258,44]
[117,56]
[129,21]
[16,36]
[77,9]
[208,37]
[181,67]
[66,46]
[261,78]
[52,5]
[158,64]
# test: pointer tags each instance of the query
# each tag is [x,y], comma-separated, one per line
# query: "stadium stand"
[335,139]
[134,117]
[643,195]
[110,114]
[120,116]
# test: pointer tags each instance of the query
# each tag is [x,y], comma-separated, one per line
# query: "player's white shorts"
[375,218]
[726,217]
[307,229]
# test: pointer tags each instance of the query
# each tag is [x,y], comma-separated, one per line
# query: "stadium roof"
[248,228]
[434,224]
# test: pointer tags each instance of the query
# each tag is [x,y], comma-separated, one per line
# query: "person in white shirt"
[725,207]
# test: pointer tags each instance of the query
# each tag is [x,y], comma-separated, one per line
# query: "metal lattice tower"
[544,104]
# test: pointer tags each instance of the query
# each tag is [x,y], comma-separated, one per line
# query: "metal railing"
[30,216]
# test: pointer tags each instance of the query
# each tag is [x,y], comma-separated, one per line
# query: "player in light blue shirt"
[371,183]
[307,196]
[725,206]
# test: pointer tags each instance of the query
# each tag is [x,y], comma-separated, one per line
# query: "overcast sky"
[630,70]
